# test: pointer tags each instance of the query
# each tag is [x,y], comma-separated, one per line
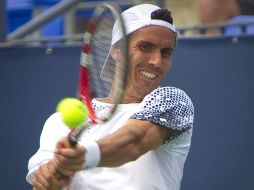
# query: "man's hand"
[69,159]
[57,172]
[48,178]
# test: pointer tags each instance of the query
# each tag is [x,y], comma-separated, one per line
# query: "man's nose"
[155,58]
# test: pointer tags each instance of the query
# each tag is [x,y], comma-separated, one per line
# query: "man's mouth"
[148,74]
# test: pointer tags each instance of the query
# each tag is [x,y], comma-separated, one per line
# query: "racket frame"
[84,88]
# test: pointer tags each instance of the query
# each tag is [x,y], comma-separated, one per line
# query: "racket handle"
[72,139]
[76,133]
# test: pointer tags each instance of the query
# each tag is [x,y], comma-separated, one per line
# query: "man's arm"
[131,141]
[128,143]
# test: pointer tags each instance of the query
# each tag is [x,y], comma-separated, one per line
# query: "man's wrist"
[92,154]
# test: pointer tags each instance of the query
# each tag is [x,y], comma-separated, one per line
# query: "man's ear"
[115,53]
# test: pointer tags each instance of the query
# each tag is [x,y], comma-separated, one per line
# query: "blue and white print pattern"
[167,106]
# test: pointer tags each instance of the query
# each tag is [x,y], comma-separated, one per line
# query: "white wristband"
[92,154]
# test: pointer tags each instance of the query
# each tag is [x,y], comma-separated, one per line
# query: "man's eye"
[166,52]
[144,47]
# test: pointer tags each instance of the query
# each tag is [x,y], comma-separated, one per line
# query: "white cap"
[135,18]
[138,17]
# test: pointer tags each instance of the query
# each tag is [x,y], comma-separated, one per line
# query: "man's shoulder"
[167,94]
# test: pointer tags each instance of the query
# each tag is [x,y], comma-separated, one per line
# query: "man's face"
[150,58]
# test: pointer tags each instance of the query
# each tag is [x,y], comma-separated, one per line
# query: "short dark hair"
[162,14]
[165,15]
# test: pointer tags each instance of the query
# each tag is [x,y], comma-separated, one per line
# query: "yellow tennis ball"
[73,112]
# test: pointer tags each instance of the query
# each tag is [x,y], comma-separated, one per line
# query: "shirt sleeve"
[52,132]
[167,106]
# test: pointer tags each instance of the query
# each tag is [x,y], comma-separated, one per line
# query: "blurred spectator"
[214,11]
[246,7]
[185,12]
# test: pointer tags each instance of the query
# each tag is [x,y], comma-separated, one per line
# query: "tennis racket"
[101,76]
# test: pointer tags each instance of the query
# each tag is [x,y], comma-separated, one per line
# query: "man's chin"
[147,90]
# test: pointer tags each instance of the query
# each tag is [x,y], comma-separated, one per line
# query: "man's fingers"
[58,178]
[69,160]
[71,152]
[63,143]
[69,168]
[45,178]
[38,186]
[40,181]
[65,161]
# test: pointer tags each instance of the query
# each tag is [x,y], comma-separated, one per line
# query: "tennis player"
[145,145]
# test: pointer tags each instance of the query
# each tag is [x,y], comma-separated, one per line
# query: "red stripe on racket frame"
[85,93]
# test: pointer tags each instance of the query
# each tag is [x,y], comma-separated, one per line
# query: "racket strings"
[100,47]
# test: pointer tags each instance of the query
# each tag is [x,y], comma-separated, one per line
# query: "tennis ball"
[73,112]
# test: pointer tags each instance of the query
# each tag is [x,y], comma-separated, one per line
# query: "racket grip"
[74,135]
[72,139]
